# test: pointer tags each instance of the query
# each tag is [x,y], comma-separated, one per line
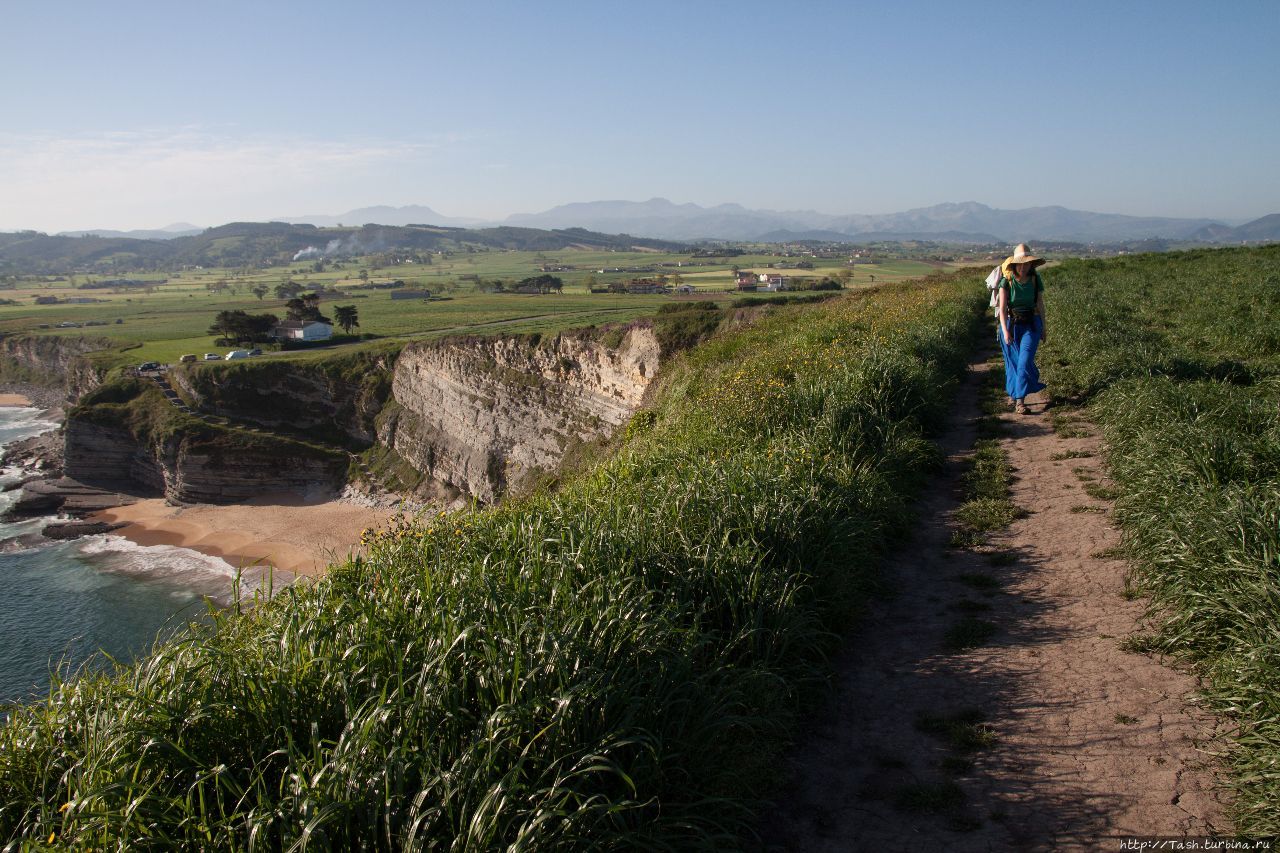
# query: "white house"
[774,282]
[303,330]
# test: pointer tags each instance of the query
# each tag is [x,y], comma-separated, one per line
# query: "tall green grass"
[614,666]
[1179,355]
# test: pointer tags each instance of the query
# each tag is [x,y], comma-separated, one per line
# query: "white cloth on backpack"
[993,281]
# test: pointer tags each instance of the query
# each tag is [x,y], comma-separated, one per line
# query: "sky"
[141,114]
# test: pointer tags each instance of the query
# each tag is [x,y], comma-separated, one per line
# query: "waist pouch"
[1024,316]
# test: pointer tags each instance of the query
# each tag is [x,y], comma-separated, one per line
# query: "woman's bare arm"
[1003,306]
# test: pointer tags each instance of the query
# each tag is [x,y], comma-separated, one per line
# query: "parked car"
[236,353]
[187,359]
[212,356]
[149,365]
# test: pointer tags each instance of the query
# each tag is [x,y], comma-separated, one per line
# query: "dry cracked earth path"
[990,703]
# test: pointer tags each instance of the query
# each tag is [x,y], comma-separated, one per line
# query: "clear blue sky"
[139,114]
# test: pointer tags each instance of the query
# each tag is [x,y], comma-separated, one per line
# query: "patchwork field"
[161,322]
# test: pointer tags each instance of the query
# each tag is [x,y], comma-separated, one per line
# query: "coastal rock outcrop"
[190,462]
[483,415]
[458,418]
[53,360]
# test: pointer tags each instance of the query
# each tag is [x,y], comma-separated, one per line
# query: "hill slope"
[269,243]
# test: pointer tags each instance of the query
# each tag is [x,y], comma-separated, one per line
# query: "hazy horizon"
[151,114]
[188,225]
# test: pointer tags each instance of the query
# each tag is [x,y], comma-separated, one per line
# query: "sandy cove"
[280,530]
[14,400]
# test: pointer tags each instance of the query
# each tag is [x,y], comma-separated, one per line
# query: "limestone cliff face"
[53,360]
[483,415]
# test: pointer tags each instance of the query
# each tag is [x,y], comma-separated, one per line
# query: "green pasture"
[172,319]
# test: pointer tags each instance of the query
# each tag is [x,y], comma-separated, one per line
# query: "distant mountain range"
[660,219]
[966,222]
[1264,230]
[178,229]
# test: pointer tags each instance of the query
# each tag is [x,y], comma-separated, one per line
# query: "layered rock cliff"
[484,415]
[53,360]
[137,439]
[473,417]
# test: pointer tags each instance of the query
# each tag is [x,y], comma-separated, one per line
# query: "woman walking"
[1021,309]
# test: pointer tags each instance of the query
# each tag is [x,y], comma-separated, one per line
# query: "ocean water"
[68,605]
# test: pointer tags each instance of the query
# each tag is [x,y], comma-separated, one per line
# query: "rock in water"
[76,529]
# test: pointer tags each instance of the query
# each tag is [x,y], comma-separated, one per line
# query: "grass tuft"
[965,731]
[1100,492]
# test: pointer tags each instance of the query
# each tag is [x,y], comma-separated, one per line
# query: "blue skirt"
[1021,376]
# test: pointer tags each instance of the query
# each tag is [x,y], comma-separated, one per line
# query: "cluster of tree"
[306,308]
[240,327]
[288,289]
[544,283]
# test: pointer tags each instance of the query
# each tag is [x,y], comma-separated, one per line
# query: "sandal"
[1020,408]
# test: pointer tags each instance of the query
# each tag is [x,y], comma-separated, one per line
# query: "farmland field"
[172,317]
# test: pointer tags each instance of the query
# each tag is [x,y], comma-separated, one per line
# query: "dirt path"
[1046,735]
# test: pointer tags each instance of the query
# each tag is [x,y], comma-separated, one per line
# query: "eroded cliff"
[472,417]
[53,360]
[484,415]
[130,436]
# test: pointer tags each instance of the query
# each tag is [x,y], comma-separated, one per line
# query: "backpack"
[993,283]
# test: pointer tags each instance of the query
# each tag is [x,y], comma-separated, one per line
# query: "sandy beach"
[14,400]
[279,530]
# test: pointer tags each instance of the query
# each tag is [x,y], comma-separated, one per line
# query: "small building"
[411,294]
[303,330]
[773,282]
[746,281]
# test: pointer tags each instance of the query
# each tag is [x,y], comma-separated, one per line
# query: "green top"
[1022,295]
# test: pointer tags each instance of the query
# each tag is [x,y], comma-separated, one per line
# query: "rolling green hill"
[255,244]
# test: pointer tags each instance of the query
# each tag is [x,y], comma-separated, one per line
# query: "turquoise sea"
[67,605]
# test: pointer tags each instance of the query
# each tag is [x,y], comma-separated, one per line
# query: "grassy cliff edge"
[616,664]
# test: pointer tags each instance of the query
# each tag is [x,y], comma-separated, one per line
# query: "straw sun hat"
[1022,255]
